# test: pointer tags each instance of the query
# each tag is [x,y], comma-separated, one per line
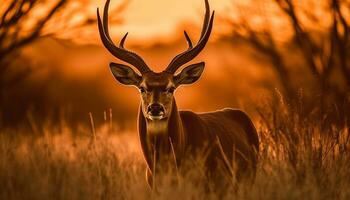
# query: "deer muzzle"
[155,111]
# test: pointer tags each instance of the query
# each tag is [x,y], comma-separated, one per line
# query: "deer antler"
[119,52]
[192,52]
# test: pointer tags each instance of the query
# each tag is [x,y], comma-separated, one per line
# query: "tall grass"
[300,158]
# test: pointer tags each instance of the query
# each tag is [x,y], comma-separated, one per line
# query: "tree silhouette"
[323,52]
[10,24]
[24,21]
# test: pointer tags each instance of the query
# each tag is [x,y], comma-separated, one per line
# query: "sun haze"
[155,18]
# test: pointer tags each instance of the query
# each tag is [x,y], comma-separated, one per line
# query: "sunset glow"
[251,104]
[154,18]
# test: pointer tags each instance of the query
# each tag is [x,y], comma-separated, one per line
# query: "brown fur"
[191,132]
[227,136]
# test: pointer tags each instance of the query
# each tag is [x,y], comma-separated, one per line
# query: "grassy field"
[300,158]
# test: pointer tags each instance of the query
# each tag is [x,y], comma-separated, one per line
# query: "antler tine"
[119,52]
[188,39]
[105,20]
[121,45]
[192,52]
[206,18]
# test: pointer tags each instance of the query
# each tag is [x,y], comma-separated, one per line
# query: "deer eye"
[142,90]
[171,90]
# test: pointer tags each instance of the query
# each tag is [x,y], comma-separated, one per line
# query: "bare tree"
[24,21]
[12,18]
[322,57]
[10,24]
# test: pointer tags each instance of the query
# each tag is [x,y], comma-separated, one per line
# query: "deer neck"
[162,136]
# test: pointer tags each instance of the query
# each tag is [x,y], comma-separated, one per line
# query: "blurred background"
[53,66]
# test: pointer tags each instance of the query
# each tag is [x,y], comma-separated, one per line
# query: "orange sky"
[144,19]
[148,21]
[147,18]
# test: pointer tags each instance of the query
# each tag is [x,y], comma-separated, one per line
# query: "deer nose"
[155,109]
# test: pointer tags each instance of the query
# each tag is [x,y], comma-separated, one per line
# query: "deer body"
[191,133]
[228,135]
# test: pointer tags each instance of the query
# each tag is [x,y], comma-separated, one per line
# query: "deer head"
[156,89]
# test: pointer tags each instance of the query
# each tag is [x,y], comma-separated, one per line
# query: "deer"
[228,134]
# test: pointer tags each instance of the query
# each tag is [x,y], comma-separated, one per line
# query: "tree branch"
[303,39]
[36,31]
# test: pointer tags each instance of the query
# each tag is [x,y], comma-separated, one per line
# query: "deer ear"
[124,74]
[190,74]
